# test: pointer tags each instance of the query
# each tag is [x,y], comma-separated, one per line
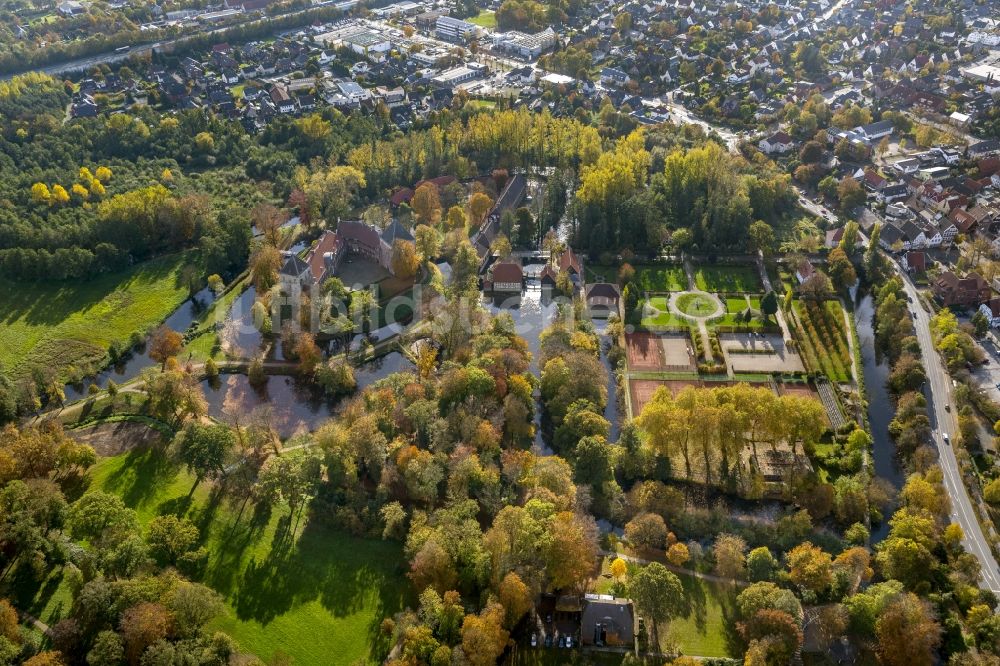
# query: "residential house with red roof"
[970,291]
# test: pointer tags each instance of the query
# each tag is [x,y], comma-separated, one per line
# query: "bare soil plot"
[642,390]
[644,351]
[651,352]
[111,439]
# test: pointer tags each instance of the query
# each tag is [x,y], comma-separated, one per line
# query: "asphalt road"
[110,57]
[938,393]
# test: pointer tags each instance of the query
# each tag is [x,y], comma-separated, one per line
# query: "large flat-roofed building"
[526,46]
[452,29]
[372,46]
[456,75]
[983,73]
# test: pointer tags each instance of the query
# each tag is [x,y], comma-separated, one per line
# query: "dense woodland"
[94,195]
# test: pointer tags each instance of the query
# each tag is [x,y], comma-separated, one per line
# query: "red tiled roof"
[916,260]
[401,196]
[989,166]
[328,242]
[440,181]
[568,260]
[962,219]
[507,272]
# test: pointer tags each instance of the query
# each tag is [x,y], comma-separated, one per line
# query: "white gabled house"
[779,142]
[991,310]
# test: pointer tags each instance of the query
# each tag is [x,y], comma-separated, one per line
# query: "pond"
[880,406]
[138,359]
[239,337]
[295,406]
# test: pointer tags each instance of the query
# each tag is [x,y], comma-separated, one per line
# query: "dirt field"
[649,352]
[802,390]
[110,439]
[644,351]
[642,390]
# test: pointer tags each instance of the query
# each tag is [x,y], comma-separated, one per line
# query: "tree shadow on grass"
[31,594]
[50,303]
[237,535]
[735,644]
[144,473]
[346,575]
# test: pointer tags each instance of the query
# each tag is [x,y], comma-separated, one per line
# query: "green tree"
[169,537]
[658,595]
[761,237]
[850,193]
[769,304]
[203,449]
[761,564]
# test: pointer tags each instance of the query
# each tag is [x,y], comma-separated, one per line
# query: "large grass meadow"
[292,586]
[64,324]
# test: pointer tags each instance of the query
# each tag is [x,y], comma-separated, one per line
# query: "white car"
[534,640]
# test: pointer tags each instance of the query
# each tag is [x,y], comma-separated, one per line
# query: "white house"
[875,131]
[991,310]
[612,76]
[779,142]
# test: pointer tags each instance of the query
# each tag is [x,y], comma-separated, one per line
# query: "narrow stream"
[138,359]
[533,310]
[880,406]
[611,410]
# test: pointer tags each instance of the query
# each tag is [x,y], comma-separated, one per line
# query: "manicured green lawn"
[72,323]
[727,278]
[696,305]
[481,104]
[705,629]
[485,19]
[649,277]
[662,319]
[291,584]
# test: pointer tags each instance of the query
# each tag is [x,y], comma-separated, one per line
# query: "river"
[880,406]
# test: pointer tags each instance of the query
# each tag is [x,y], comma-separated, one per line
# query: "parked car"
[548,641]
[534,640]
[569,641]
[562,641]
